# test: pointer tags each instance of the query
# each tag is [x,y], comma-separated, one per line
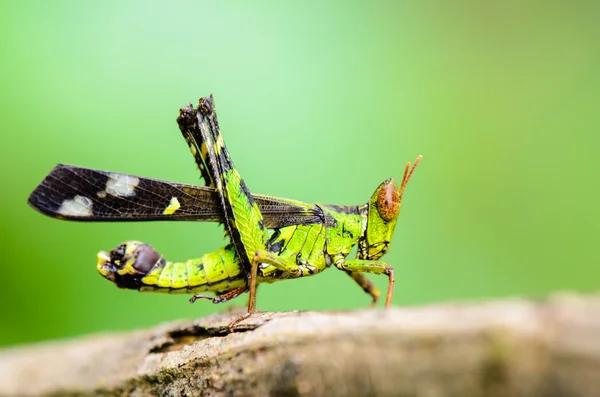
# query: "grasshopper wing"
[87,195]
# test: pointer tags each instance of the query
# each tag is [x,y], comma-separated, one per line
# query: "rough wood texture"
[502,348]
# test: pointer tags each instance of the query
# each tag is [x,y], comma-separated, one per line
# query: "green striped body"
[218,271]
[135,265]
[312,247]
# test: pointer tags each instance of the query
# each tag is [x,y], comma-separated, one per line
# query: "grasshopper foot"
[238,320]
[374,302]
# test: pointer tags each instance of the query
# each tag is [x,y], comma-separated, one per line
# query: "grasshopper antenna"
[408,171]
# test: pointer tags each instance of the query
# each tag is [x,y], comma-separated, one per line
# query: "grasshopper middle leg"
[220,298]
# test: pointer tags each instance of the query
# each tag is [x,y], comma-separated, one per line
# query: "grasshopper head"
[383,210]
[127,264]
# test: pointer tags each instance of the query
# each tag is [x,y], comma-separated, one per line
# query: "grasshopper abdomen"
[135,265]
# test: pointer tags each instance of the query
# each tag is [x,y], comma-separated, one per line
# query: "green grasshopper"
[272,238]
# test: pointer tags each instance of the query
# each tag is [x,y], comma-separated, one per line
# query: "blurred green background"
[318,102]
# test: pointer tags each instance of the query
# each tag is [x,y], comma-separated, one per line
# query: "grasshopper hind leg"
[252,285]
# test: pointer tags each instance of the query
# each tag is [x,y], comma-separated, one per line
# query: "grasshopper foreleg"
[373,267]
[367,285]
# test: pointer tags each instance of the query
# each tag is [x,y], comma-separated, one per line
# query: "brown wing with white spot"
[84,194]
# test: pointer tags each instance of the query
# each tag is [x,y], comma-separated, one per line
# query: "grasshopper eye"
[388,198]
[388,202]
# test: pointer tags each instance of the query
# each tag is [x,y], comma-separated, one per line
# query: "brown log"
[498,348]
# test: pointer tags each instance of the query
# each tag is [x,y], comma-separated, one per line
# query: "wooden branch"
[499,348]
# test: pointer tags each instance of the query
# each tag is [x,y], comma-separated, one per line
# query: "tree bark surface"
[497,348]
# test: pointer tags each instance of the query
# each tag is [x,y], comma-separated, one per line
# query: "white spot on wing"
[120,185]
[79,206]
[172,207]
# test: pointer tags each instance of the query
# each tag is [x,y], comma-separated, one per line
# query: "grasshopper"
[272,238]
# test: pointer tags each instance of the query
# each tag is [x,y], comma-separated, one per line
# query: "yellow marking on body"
[219,144]
[316,256]
[152,277]
[102,258]
[247,217]
[180,277]
[131,246]
[166,276]
[215,272]
[127,268]
[203,149]
[172,207]
[231,264]
[196,273]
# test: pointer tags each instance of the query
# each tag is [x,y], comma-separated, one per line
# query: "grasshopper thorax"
[382,212]
[127,264]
